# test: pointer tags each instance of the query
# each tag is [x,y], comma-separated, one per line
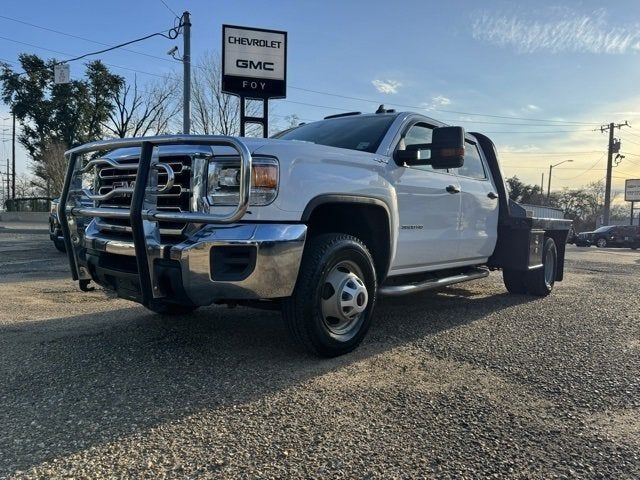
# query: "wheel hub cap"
[344,298]
[549,267]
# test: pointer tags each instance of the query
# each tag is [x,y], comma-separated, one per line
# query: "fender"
[329,198]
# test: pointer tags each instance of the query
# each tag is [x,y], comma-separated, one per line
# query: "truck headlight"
[223,187]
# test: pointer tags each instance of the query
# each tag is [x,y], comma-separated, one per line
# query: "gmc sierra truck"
[317,222]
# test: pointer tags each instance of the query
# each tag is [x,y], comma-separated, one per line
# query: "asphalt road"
[469,382]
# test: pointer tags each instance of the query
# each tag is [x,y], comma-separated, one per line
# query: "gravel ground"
[468,382]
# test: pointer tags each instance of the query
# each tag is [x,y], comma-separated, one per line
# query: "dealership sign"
[632,190]
[254,62]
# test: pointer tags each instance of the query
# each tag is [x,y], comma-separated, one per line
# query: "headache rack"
[142,215]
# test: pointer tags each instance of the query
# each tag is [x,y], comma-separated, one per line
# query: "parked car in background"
[55,232]
[625,236]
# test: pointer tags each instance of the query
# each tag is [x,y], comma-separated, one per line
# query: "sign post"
[632,194]
[254,66]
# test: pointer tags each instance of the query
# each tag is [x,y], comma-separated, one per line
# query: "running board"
[433,283]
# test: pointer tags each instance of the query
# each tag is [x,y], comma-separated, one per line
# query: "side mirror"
[446,150]
[447,147]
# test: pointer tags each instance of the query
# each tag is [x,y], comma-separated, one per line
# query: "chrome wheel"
[344,298]
[549,267]
[601,242]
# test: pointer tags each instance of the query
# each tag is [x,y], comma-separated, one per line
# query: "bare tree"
[49,172]
[138,113]
[212,111]
[26,187]
[55,166]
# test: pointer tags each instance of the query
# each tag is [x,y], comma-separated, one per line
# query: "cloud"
[506,148]
[572,32]
[440,101]
[436,102]
[386,86]
[532,108]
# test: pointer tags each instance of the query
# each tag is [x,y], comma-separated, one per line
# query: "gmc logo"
[123,184]
[259,65]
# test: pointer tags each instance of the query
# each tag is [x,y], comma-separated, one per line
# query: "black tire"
[326,257]
[540,281]
[59,244]
[170,309]
[601,243]
[515,281]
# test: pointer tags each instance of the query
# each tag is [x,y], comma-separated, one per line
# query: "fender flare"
[329,198]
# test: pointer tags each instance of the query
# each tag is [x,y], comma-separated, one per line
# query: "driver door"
[429,212]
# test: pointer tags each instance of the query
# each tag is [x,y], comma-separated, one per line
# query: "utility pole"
[614,147]
[13,158]
[542,189]
[186,77]
[8,180]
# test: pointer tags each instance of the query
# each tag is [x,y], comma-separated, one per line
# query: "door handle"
[492,195]
[452,189]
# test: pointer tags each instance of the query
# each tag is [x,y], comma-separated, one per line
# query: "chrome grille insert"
[115,182]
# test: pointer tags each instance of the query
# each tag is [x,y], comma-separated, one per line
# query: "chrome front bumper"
[142,267]
[272,273]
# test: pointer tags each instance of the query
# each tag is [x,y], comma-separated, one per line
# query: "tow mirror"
[446,150]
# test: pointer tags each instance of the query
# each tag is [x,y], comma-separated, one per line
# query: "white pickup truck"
[318,221]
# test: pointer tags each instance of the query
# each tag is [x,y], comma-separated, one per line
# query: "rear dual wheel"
[537,282]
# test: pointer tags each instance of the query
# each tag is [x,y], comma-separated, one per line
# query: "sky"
[539,78]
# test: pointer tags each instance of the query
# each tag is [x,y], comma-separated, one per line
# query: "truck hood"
[297,150]
[281,149]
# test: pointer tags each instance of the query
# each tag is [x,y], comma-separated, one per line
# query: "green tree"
[65,114]
[524,193]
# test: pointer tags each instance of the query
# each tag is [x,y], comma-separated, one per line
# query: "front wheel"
[601,243]
[540,281]
[332,304]
[59,244]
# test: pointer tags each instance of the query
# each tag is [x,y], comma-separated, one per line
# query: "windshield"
[603,229]
[363,133]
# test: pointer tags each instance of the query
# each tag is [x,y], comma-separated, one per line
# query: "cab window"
[473,166]
[416,135]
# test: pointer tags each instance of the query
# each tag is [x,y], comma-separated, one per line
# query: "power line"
[171,34]
[630,141]
[544,132]
[68,54]
[441,110]
[588,169]
[510,123]
[328,107]
[547,153]
[557,168]
[550,122]
[631,133]
[169,8]
[84,38]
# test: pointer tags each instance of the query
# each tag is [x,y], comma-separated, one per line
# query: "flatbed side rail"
[142,213]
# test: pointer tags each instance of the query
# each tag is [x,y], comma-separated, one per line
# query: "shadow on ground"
[85,380]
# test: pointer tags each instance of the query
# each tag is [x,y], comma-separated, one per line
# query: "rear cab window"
[473,166]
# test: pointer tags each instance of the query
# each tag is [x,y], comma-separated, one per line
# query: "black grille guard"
[142,214]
